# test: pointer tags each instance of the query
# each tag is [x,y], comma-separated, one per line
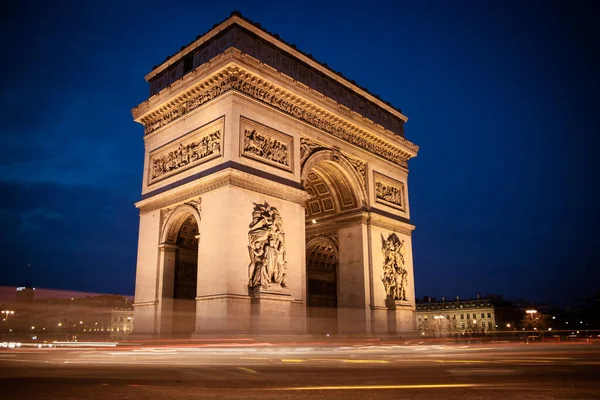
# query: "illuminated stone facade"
[271,185]
[458,317]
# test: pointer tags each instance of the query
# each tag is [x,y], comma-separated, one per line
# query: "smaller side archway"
[322,263]
[179,271]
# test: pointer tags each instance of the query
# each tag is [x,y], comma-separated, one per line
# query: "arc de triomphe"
[274,195]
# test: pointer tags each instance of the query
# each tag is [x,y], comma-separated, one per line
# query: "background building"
[457,317]
[64,316]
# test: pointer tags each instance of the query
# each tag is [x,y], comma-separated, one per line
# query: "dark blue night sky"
[502,97]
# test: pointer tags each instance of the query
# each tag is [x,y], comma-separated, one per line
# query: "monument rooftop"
[250,39]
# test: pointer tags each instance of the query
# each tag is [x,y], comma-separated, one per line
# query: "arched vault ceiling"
[330,191]
[187,234]
[322,257]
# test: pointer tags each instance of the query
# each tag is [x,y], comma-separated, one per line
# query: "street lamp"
[6,314]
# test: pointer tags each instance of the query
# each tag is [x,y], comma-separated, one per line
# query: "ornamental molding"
[329,234]
[227,177]
[266,145]
[360,167]
[233,77]
[343,219]
[308,147]
[389,192]
[391,224]
[192,149]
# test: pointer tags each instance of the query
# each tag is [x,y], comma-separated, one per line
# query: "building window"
[482,315]
[462,316]
[468,316]
[120,319]
[454,316]
[489,315]
[490,325]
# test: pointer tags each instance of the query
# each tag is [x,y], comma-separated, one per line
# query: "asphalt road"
[304,371]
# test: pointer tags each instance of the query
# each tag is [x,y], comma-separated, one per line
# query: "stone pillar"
[353,277]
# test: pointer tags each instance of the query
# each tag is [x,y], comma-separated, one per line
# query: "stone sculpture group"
[267,248]
[388,193]
[395,276]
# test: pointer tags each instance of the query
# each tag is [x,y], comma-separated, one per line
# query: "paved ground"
[304,371]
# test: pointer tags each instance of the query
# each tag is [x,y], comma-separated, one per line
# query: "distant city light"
[508,325]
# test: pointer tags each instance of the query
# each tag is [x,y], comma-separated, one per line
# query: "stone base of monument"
[272,310]
[401,316]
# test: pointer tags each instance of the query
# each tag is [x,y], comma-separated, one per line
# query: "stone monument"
[274,195]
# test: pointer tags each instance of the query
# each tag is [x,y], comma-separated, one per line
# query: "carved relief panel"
[266,145]
[389,192]
[196,147]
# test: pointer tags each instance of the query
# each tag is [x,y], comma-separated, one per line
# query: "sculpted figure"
[395,276]
[267,248]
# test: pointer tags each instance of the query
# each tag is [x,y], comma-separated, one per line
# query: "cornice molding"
[391,224]
[227,177]
[235,76]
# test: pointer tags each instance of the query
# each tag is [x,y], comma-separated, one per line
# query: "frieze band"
[233,82]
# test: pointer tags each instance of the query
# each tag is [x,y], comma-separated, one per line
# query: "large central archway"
[336,198]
